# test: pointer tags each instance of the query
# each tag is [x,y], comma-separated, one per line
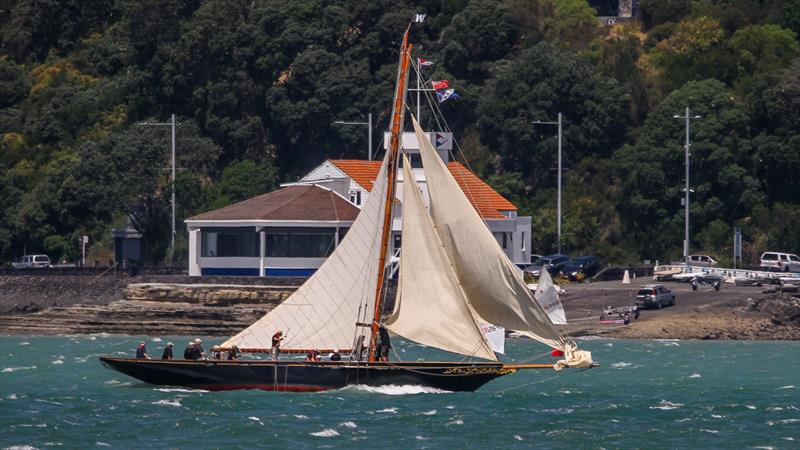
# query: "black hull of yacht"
[296,376]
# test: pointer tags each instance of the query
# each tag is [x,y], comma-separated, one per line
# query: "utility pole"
[368,123]
[171,123]
[687,146]
[560,170]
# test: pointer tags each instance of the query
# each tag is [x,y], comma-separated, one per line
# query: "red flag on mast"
[441,84]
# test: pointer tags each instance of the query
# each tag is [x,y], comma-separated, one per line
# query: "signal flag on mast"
[419,18]
[441,84]
[424,62]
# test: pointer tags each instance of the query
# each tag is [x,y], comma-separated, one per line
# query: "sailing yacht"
[453,278]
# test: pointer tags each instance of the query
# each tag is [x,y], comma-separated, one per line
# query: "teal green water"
[647,394]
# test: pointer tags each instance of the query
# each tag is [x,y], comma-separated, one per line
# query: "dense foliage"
[257,85]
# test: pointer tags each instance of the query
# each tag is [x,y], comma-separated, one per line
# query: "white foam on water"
[450,407]
[394,389]
[788,438]
[717,416]
[58,361]
[764,447]
[610,344]
[774,408]
[176,403]
[456,422]
[789,421]
[49,402]
[155,340]
[20,447]
[301,416]
[518,437]
[102,444]
[666,406]
[791,386]
[15,369]
[327,432]
[12,397]
[180,390]
[749,406]
[392,410]
[34,425]
[348,425]
[429,413]
[420,438]
[685,419]
[24,343]
[695,375]
[58,444]
[254,418]
[621,365]
[706,430]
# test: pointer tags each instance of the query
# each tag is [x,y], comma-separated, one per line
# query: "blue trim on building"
[276,272]
[236,271]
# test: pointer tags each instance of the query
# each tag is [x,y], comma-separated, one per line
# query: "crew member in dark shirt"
[233,353]
[335,356]
[276,344]
[199,349]
[384,343]
[141,351]
[189,352]
[167,351]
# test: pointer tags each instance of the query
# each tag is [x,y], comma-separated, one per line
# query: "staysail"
[430,307]
[323,312]
[491,282]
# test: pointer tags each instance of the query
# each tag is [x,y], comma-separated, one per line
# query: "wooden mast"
[398,112]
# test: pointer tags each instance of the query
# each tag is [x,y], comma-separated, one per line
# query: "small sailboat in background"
[455,282]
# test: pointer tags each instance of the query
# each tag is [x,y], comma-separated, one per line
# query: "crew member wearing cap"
[167,351]
[189,352]
[335,356]
[199,349]
[216,352]
[141,351]
[276,344]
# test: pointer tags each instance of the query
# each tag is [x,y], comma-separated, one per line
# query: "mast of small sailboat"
[398,113]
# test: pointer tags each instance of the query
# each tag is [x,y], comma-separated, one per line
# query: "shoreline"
[733,313]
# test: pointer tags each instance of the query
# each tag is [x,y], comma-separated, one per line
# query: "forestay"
[491,282]
[323,312]
[431,307]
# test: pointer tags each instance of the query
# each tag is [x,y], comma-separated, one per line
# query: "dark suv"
[553,263]
[654,296]
[586,265]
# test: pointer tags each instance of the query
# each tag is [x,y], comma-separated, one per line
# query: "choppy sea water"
[647,394]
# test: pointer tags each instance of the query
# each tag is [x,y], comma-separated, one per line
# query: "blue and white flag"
[446,95]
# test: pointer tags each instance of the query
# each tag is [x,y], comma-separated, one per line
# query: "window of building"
[355,198]
[505,240]
[522,246]
[230,242]
[300,242]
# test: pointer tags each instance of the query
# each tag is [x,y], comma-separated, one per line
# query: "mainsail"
[493,285]
[323,312]
[431,308]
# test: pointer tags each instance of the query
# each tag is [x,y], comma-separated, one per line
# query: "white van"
[31,261]
[782,262]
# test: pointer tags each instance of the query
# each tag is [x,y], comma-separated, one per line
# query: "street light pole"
[687,146]
[368,123]
[560,170]
[171,124]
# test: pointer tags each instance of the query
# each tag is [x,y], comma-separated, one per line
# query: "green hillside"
[257,85]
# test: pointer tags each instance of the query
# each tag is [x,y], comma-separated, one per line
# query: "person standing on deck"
[384,344]
[199,349]
[167,351]
[141,351]
[187,354]
[276,344]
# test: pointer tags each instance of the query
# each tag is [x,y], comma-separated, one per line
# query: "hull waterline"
[298,376]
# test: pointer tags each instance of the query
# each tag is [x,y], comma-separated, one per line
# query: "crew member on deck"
[141,351]
[199,349]
[233,353]
[384,344]
[167,351]
[216,352]
[312,356]
[189,351]
[335,356]
[276,344]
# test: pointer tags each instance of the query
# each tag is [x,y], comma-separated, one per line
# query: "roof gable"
[297,202]
[483,198]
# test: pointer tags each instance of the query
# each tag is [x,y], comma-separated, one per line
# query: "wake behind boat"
[454,277]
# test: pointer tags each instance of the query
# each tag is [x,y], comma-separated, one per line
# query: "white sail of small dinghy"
[493,285]
[547,296]
[430,307]
[324,311]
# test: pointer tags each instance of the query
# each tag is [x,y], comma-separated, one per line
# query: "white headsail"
[431,308]
[547,296]
[494,286]
[322,313]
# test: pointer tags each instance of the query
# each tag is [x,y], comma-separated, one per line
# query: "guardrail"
[725,272]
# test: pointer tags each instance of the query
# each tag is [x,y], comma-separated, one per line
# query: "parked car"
[586,265]
[654,296]
[702,260]
[31,261]
[782,262]
[554,263]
